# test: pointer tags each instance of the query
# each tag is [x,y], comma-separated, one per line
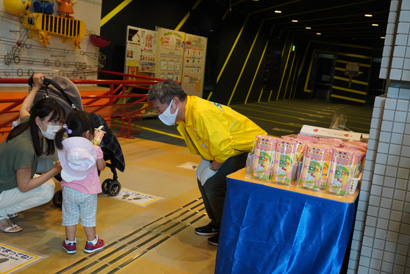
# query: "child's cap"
[77,158]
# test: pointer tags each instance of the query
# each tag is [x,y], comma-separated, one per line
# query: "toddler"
[80,161]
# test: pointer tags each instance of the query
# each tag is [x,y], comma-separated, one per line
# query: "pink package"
[284,159]
[333,142]
[326,165]
[308,138]
[300,148]
[313,163]
[264,150]
[354,147]
[288,137]
[357,164]
[357,143]
[254,173]
[98,136]
[339,171]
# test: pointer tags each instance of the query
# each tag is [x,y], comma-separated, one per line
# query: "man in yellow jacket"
[220,135]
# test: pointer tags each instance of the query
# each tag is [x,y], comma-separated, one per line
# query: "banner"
[170,48]
[194,64]
[140,50]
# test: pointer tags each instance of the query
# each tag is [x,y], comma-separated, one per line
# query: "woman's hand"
[38,80]
[57,168]
[26,183]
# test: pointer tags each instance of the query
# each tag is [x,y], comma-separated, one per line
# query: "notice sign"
[135,197]
[352,69]
[12,259]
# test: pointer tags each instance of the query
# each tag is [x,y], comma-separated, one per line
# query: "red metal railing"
[121,100]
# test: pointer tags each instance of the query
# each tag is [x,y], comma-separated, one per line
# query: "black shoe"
[207,230]
[214,240]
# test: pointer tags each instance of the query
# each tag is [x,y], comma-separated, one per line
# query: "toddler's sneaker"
[69,247]
[90,247]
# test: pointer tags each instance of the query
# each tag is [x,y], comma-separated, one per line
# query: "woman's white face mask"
[167,117]
[50,132]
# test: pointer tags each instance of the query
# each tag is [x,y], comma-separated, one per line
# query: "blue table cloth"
[271,230]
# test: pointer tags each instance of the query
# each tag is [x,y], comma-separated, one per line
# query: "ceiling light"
[308,28]
[368,15]
[382,37]
[375,25]
[294,21]
[318,33]
[278,11]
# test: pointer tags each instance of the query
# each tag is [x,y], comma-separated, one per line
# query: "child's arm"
[101,164]
[100,158]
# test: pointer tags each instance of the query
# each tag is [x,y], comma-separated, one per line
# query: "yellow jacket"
[216,132]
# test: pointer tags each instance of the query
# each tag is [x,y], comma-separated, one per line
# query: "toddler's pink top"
[91,183]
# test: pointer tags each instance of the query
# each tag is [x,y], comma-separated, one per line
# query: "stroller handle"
[46,83]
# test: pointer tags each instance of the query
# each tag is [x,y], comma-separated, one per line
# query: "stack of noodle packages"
[264,150]
[284,161]
[313,166]
[319,164]
[340,165]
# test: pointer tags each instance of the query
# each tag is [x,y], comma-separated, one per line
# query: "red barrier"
[112,99]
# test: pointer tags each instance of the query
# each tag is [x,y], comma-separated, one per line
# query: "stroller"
[67,95]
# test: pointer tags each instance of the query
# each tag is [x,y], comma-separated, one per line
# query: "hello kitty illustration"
[280,174]
[259,167]
[309,180]
[336,182]
[310,177]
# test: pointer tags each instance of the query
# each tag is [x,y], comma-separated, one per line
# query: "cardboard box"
[330,133]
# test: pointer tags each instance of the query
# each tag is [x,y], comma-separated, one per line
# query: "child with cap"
[80,161]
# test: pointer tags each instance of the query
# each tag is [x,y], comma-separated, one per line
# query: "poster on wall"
[140,50]
[194,64]
[170,52]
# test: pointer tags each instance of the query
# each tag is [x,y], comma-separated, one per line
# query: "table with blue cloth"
[271,228]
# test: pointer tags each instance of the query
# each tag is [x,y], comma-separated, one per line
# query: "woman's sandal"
[12,228]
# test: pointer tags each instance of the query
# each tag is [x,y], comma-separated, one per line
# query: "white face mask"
[167,117]
[51,131]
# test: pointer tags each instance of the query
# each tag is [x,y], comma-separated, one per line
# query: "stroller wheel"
[114,188]
[58,199]
[105,185]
